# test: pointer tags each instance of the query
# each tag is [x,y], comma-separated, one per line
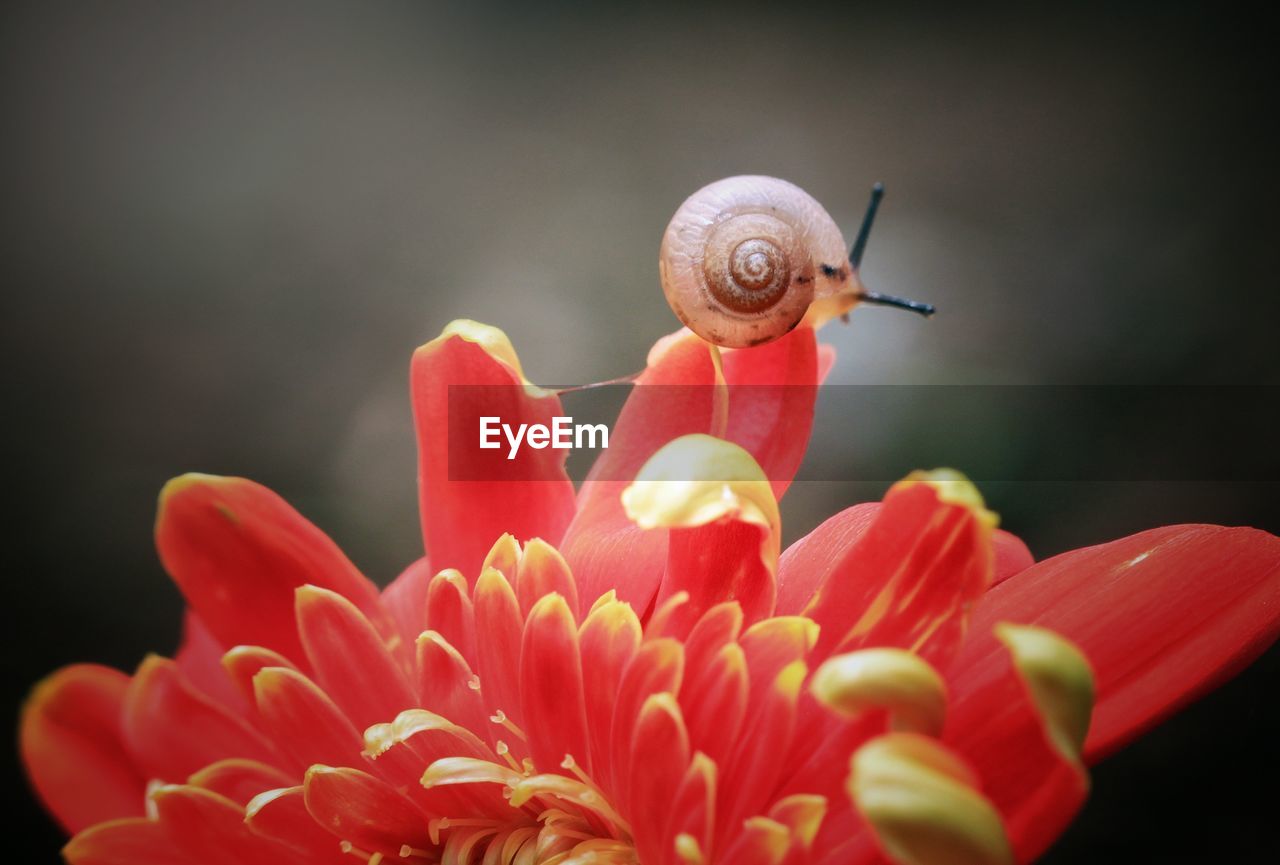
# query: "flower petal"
[552,702]
[1164,616]
[604,549]
[1022,724]
[74,752]
[174,730]
[462,518]
[609,637]
[210,828]
[281,815]
[912,576]
[351,662]
[237,551]
[305,724]
[449,611]
[772,392]
[753,773]
[810,561]
[541,571]
[364,811]
[921,801]
[693,812]
[724,524]
[406,599]
[239,779]
[132,841]
[497,615]
[658,666]
[659,759]
[447,684]
[199,657]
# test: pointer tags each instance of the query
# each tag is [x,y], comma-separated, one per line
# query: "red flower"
[642,677]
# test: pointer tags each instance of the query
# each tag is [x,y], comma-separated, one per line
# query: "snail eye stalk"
[860,247]
[860,243]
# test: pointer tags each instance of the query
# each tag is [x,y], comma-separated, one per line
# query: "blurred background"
[226,227]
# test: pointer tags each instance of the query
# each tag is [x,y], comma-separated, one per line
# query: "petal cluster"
[636,672]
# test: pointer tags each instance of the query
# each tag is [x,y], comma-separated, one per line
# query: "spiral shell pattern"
[745,257]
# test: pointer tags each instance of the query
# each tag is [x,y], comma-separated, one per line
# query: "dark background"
[226,227]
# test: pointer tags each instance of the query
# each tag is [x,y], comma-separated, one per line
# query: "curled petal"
[892,679]
[605,550]
[530,496]
[1022,722]
[724,520]
[74,751]
[921,802]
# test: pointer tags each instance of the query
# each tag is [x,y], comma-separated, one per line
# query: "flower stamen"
[500,718]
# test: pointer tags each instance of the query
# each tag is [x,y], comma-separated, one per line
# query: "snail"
[746,259]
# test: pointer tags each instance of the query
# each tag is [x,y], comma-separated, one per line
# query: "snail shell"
[746,258]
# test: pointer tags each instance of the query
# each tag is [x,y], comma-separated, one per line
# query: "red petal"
[173,730]
[134,841]
[658,666]
[282,815]
[369,813]
[237,551]
[659,758]
[910,578]
[610,638]
[993,722]
[243,663]
[605,550]
[447,684]
[542,570]
[200,660]
[552,702]
[303,721]
[1012,556]
[1164,616]
[406,599]
[238,779]
[450,614]
[351,662]
[498,618]
[772,391]
[715,563]
[73,750]
[462,518]
[810,561]
[693,810]
[714,698]
[210,829]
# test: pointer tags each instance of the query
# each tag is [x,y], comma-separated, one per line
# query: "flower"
[635,672]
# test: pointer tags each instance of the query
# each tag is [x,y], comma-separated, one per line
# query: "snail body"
[746,259]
